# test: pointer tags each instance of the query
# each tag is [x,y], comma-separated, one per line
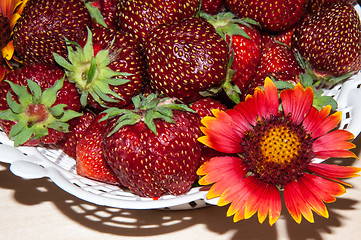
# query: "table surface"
[38,209]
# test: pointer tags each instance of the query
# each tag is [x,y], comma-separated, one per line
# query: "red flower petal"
[336,140]
[248,110]
[323,188]
[262,104]
[334,144]
[265,199]
[297,103]
[333,171]
[312,198]
[255,200]
[234,192]
[237,206]
[275,205]
[272,100]
[296,203]
[239,122]
[219,135]
[223,171]
[315,117]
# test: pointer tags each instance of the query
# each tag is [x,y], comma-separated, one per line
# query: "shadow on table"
[125,222]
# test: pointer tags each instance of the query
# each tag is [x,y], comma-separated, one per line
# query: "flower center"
[279,145]
[277,151]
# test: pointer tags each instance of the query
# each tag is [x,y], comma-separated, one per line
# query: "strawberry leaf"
[35,90]
[30,122]
[63,62]
[57,110]
[124,120]
[14,106]
[149,121]
[9,115]
[59,126]
[95,14]
[91,71]
[49,95]
[21,91]
[24,134]
[322,101]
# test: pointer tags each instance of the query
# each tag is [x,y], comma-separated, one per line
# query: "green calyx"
[146,109]
[226,23]
[35,113]
[90,73]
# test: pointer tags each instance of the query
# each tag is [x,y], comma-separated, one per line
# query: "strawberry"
[277,58]
[77,127]
[204,106]
[284,37]
[315,5]
[152,149]
[36,102]
[274,15]
[247,55]
[90,161]
[43,24]
[330,40]
[212,6]
[138,18]
[186,58]
[278,61]
[107,66]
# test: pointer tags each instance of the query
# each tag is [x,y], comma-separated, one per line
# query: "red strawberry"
[36,102]
[315,5]
[186,58]
[155,151]
[43,24]
[277,60]
[274,15]
[138,18]
[77,127]
[330,40]
[284,37]
[90,160]
[204,106]
[212,6]
[108,68]
[247,55]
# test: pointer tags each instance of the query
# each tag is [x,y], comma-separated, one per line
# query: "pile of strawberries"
[121,85]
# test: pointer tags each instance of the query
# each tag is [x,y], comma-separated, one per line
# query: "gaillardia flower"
[273,141]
